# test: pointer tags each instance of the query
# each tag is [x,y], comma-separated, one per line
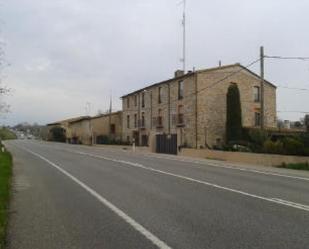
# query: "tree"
[233,114]
[4,90]
[307,122]
[57,134]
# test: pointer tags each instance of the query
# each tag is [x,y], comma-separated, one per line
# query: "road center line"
[272,200]
[147,234]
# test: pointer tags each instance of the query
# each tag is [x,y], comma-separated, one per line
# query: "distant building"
[91,130]
[65,125]
[191,108]
[287,124]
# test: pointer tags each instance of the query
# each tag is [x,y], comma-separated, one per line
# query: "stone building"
[80,131]
[65,125]
[91,130]
[192,107]
[107,126]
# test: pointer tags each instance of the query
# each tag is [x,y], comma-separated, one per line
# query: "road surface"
[81,197]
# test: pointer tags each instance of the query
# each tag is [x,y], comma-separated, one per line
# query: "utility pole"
[150,110]
[262,57]
[110,117]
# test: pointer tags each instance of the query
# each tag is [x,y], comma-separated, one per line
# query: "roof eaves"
[235,65]
[159,83]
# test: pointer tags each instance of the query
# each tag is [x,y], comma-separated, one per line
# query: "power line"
[293,88]
[230,75]
[295,112]
[286,58]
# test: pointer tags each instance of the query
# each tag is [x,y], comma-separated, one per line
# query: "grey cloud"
[68,52]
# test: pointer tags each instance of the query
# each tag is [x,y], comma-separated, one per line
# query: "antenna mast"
[184,36]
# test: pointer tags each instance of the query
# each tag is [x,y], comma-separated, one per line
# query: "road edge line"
[138,227]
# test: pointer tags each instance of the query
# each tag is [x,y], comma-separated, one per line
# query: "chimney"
[179,73]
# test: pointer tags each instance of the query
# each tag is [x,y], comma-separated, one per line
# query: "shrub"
[258,136]
[306,151]
[304,138]
[273,147]
[293,146]
[299,166]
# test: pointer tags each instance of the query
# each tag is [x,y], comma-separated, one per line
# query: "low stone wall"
[243,157]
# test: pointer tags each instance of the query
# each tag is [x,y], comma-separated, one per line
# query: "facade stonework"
[193,106]
[80,131]
[107,125]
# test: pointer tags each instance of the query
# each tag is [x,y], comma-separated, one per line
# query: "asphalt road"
[69,196]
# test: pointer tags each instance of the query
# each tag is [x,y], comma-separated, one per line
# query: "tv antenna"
[183,59]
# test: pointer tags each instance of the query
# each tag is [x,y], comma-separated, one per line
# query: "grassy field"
[299,166]
[6,134]
[5,183]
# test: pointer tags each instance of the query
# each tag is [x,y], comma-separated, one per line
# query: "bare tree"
[4,90]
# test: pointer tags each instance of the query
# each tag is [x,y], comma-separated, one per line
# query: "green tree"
[233,114]
[58,134]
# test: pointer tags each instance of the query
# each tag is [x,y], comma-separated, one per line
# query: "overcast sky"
[65,53]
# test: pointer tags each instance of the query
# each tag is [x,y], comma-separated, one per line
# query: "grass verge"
[5,184]
[298,166]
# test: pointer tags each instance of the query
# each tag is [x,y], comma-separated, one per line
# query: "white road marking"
[273,200]
[200,162]
[155,240]
[305,207]
[229,167]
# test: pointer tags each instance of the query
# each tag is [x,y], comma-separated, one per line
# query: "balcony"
[180,120]
[159,122]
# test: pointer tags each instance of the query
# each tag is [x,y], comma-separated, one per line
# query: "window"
[128,102]
[143,120]
[180,117]
[160,119]
[135,100]
[257,119]
[128,121]
[160,95]
[135,120]
[180,89]
[256,94]
[113,129]
[143,99]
